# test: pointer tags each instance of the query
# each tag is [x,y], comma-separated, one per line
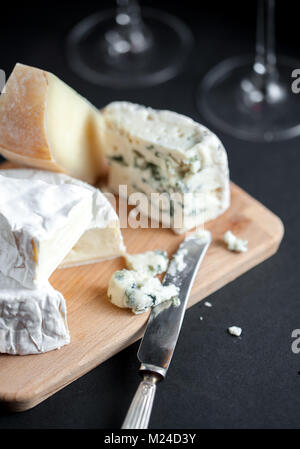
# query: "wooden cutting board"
[99,330]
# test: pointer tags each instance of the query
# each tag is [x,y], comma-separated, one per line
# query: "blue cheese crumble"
[137,287]
[150,263]
[234,243]
[139,292]
[235,331]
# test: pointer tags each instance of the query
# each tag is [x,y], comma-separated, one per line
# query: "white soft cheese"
[165,152]
[235,331]
[102,239]
[39,225]
[234,243]
[178,263]
[201,235]
[31,321]
[150,262]
[138,292]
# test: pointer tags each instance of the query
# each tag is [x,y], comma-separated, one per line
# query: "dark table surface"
[215,380]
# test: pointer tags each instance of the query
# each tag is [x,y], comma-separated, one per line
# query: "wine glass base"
[171,41]
[223,100]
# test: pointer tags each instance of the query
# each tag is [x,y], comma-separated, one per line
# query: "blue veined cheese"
[137,289]
[102,238]
[165,152]
[39,225]
[150,263]
[178,263]
[139,292]
[201,235]
[234,243]
[31,321]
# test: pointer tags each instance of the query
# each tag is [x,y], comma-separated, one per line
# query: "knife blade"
[163,328]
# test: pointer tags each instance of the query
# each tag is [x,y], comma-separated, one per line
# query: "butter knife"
[163,327]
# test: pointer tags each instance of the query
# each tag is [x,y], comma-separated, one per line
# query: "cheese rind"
[39,225]
[31,321]
[46,124]
[164,152]
[102,239]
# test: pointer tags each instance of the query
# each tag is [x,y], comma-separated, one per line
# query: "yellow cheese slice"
[46,124]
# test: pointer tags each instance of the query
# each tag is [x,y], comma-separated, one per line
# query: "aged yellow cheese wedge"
[46,124]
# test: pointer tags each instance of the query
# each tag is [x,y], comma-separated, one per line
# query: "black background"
[215,380]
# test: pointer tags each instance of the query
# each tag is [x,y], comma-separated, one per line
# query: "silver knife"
[162,331]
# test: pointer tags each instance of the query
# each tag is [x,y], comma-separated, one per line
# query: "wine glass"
[251,98]
[128,46]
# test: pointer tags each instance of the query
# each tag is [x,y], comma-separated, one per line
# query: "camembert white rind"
[164,152]
[46,124]
[39,225]
[102,239]
[31,321]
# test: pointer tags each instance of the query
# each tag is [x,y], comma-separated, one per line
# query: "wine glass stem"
[265,58]
[129,36]
[128,13]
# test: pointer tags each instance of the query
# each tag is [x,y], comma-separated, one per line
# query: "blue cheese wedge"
[102,238]
[136,291]
[165,153]
[234,243]
[39,225]
[31,321]
[151,262]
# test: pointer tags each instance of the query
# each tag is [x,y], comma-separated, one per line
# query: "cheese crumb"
[234,243]
[208,304]
[151,262]
[139,292]
[235,330]
[137,288]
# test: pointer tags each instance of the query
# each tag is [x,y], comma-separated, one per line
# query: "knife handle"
[139,412]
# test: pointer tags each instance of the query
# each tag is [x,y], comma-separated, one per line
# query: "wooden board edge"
[20,401]
[277,223]
[16,402]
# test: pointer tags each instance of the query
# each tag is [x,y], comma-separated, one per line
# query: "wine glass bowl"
[251,97]
[238,102]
